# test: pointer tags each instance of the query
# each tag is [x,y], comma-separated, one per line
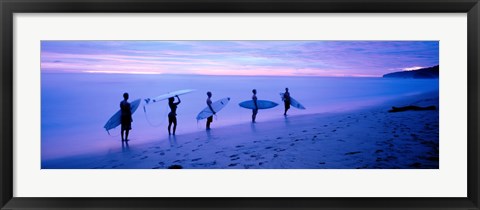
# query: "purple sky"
[283,58]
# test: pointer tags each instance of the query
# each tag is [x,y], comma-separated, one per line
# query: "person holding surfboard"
[209,104]
[286,101]
[172,116]
[125,117]
[255,109]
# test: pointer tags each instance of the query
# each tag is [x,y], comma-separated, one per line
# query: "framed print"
[239,105]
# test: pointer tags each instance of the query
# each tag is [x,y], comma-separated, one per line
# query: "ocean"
[76,106]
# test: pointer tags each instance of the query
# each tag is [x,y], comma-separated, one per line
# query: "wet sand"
[370,138]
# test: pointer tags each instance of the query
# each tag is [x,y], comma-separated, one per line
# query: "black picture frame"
[10,7]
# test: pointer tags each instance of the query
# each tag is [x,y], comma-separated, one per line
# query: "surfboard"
[262,104]
[114,121]
[216,106]
[167,95]
[294,102]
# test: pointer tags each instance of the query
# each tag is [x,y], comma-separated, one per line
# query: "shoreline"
[368,137]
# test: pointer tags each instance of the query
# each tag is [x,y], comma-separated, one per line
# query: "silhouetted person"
[172,116]
[255,110]
[286,101]
[125,117]
[209,104]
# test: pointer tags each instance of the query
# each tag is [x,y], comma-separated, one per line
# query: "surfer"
[125,117]
[209,104]
[255,110]
[286,101]
[172,116]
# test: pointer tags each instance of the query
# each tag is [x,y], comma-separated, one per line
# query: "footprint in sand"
[304,131]
[232,164]
[279,137]
[292,144]
[232,156]
[248,166]
[238,146]
[321,163]
[116,166]
[352,153]
[196,159]
[275,155]
[217,152]
[268,147]
[144,157]
[235,158]
[162,153]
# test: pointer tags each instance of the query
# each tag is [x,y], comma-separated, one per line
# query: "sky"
[266,58]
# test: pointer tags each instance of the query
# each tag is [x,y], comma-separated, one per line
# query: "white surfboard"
[262,104]
[114,121]
[167,95]
[294,102]
[216,106]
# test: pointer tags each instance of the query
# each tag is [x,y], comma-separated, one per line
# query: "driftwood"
[414,108]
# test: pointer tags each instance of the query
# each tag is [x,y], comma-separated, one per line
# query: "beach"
[369,137]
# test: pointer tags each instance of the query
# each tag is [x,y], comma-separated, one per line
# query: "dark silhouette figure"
[414,108]
[172,116]
[255,110]
[209,104]
[286,101]
[125,117]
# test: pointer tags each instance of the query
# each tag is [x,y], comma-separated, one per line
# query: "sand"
[367,138]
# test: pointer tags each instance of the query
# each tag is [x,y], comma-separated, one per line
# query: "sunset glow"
[249,58]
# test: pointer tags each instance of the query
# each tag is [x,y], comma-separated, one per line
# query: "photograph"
[239,104]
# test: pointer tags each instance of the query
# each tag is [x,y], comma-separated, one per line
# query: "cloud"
[413,68]
[287,58]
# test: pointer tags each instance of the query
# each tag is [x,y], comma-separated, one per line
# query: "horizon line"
[244,75]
